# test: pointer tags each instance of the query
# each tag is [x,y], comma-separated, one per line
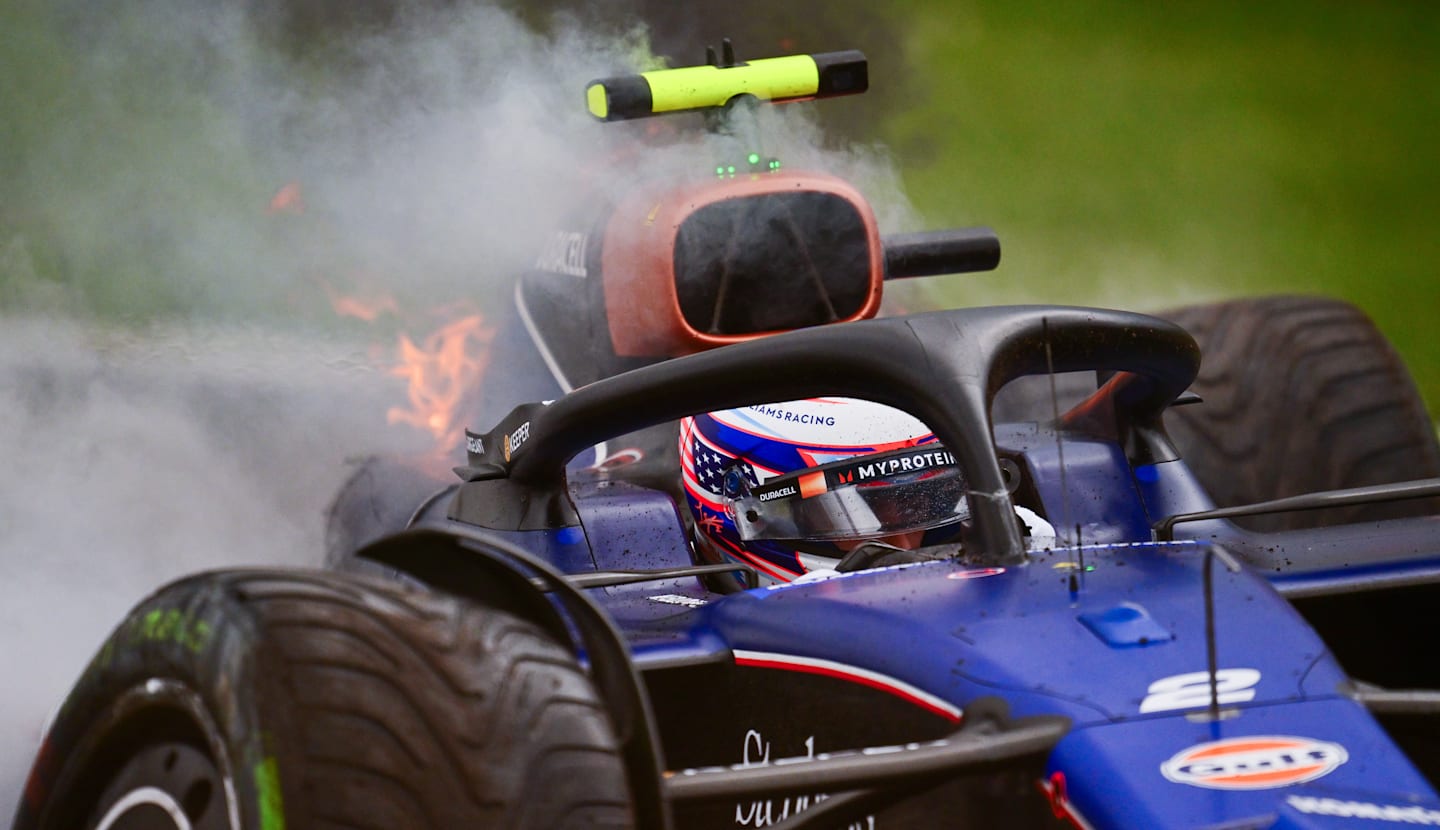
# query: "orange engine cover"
[728,260]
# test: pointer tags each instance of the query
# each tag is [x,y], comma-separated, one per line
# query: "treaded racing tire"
[293,699]
[1300,394]
[377,500]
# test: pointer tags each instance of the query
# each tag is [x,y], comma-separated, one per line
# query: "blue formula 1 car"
[901,572]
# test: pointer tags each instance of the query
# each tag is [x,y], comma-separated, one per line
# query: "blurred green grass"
[1130,155]
[122,176]
[1148,155]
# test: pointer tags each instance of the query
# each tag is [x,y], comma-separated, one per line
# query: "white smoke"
[131,460]
[175,391]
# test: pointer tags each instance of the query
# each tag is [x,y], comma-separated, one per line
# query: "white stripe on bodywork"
[884,681]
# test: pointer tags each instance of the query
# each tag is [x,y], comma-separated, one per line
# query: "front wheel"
[253,700]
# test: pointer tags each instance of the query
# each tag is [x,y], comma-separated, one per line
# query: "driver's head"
[792,487]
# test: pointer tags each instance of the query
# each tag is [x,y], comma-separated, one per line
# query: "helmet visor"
[882,494]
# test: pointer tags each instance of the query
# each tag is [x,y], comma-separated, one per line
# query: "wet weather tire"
[379,499]
[1300,394]
[267,699]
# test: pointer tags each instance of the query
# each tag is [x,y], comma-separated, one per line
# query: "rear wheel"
[378,499]
[1300,394]
[262,699]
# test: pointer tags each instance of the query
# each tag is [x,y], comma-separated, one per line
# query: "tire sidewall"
[188,651]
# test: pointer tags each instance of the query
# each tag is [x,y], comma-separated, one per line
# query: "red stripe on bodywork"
[827,671]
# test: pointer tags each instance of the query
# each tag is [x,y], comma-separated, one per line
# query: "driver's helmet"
[790,488]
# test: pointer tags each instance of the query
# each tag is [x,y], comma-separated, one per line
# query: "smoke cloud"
[188,186]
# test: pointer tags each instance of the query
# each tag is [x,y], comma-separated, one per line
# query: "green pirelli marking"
[161,625]
[267,790]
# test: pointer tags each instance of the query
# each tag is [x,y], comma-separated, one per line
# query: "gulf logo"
[1255,762]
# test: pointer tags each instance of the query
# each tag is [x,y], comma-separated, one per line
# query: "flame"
[441,370]
[361,308]
[288,199]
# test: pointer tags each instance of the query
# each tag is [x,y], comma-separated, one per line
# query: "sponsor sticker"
[1340,808]
[678,599]
[778,493]
[516,439]
[781,413]
[564,253]
[913,461]
[775,810]
[1254,762]
[474,444]
[850,471]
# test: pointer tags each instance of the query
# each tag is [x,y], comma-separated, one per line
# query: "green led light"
[730,169]
[1089,568]
[754,158]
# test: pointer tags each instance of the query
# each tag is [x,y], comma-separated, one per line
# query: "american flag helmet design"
[726,454]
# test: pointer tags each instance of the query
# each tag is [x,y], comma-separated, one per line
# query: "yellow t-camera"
[794,78]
